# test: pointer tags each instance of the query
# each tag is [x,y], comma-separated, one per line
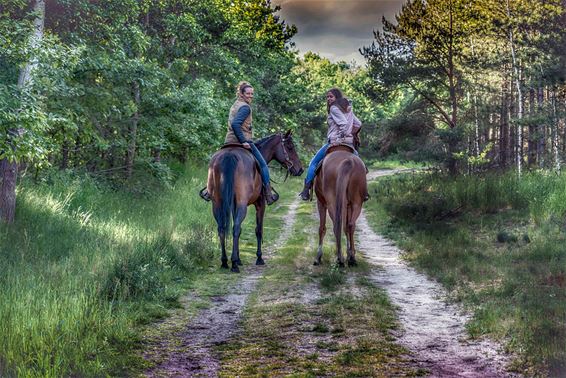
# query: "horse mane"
[261,141]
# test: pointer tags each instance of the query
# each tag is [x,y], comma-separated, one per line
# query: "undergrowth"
[84,264]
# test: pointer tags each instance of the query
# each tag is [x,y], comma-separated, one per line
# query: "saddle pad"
[232,145]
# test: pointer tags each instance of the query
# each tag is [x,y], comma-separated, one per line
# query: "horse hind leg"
[350,230]
[260,211]
[321,231]
[338,236]
[221,236]
[239,216]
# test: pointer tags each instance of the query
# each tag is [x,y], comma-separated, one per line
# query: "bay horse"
[234,183]
[341,188]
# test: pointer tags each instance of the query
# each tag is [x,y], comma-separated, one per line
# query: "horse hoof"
[316,263]
[239,262]
[352,263]
[260,262]
[340,264]
[235,269]
[224,266]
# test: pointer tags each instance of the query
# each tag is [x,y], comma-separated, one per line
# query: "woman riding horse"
[342,126]
[240,132]
[233,181]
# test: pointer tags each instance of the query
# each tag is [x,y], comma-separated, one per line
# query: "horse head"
[286,154]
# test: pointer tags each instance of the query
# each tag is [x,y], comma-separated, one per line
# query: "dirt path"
[189,352]
[433,329]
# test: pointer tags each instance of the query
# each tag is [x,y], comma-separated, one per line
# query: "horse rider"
[240,132]
[342,126]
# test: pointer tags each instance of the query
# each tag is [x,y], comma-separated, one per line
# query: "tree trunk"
[519,138]
[132,131]
[532,137]
[8,190]
[542,129]
[555,134]
[64,155]
[504,127]
[9,169]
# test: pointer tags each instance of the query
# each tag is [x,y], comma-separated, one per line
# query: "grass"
[394,164]
[307,321]
[497,243]
[85,266]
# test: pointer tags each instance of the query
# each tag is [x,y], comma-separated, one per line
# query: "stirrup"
[204,194]
[271,199]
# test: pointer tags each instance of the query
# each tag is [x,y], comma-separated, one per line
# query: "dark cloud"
[336,28]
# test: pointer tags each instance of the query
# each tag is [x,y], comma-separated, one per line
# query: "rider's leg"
[264,171]
[311,172]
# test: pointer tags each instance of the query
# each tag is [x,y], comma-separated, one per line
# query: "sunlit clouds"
[336,29]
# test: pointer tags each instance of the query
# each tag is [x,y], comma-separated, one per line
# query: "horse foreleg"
[321,230]
[239,216]
[259,213]
[221,236]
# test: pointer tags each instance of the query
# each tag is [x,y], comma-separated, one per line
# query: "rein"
[288,162]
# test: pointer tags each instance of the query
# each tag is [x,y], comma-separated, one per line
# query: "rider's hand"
[246,145]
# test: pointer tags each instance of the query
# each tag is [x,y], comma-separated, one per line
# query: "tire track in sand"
[190,353]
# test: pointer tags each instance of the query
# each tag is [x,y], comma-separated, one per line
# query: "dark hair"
[343,103]
[337,93]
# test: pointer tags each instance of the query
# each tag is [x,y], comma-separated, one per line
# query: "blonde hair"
[241,87]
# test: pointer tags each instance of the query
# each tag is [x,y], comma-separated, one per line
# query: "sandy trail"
[433,329]
[192,354]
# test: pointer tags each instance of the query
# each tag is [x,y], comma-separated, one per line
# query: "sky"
[336,29]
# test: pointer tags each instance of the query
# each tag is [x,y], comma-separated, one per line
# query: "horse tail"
[342,181]
[228,165]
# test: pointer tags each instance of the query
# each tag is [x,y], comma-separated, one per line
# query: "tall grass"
[84,263]
[430,196]
[498,243]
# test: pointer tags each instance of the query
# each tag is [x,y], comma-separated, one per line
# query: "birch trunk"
[9,168]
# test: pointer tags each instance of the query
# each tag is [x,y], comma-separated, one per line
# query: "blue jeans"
[315,161]
[264,171]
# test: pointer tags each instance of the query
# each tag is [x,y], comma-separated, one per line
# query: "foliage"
[469,64]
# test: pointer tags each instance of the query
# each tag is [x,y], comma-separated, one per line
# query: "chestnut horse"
[234,183]
[340,188]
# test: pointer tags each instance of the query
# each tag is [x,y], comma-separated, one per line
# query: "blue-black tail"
[228,168]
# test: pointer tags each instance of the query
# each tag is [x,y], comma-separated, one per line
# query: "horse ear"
[288,133]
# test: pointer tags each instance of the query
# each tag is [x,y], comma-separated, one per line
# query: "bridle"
[288,162]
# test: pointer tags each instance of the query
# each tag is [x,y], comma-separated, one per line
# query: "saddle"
[334,148]
[228,145]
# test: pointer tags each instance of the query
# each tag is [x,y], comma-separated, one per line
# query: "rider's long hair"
[337,93]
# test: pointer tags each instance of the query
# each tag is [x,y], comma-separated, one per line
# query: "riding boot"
[306,193]
[271,194]
[204,194]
